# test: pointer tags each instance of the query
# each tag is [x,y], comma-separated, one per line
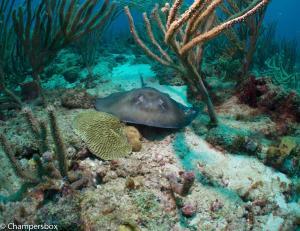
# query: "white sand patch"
[101,70]
[125,77]
[242,174]
[274,223]
[178,93]
[129,75]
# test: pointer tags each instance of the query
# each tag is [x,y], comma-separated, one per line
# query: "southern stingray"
[147,106]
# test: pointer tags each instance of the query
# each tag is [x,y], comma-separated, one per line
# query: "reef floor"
[233,190]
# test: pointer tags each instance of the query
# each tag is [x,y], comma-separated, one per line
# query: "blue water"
[286,14]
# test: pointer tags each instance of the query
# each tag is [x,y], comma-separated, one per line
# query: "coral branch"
[140,42]
[186,35]
[8,92]
[173,11]
[42,38]
[205,14]
[183,188]
[152,38]
[176,25]
[158,20]
[8,150]
[46,171]
[220,28]
[60,148]
[38,129]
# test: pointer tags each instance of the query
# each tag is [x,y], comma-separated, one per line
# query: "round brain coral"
[103,134]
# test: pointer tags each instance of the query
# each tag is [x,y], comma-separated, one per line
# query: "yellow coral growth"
[134,138]
[103,134]
[287,145]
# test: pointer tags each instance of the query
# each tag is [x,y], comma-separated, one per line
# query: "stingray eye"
[161,103]
[141,98]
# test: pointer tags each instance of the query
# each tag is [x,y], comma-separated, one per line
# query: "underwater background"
[285,14]
[185,117]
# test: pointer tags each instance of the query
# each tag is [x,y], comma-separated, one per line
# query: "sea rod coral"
[6,45]
[185,34]
[46,174]
[52,26]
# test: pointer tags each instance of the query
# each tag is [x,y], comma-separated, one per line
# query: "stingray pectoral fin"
[190,115]
[104,104]
[100,104]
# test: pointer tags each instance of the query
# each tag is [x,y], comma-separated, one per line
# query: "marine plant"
[6,90]
[289,48]
[6,8]
[52,26]
[267,46]
[142,5]
[90,45]
[46,170]
[38,129]
[88,48]
[276,68]
[28,179]
[6,47]
[242,39]
[186,33]
[276,58]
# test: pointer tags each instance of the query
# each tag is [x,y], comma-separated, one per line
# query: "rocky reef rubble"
[262,120]
[196,178]
[280,103]
[137,192]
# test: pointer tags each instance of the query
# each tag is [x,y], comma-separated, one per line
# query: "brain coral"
[103,134]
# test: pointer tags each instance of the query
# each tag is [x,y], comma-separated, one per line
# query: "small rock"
[110,176]
[216,206]
[129,184]
[188,210]
[71,152]
[76,98]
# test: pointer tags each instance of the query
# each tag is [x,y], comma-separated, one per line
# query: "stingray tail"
[142,81]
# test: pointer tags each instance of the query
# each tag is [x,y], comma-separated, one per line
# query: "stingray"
[147,106]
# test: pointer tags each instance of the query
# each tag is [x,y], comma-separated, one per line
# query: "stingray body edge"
[147,106]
